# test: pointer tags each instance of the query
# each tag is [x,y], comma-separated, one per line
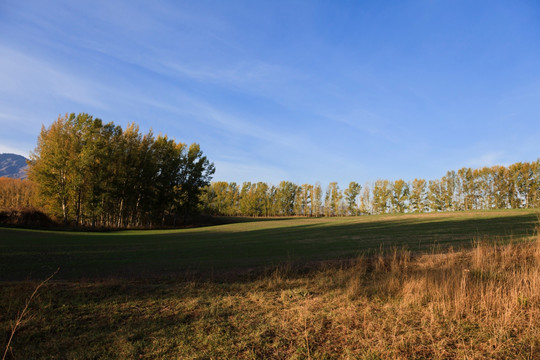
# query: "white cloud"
[487,159]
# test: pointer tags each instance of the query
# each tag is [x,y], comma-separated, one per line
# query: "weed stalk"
[20,318]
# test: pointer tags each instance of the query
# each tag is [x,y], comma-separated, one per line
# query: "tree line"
[496,187]
[16,193]
[92,173]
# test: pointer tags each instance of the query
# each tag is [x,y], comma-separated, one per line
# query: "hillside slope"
[13,166]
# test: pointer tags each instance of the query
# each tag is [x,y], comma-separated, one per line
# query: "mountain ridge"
[13,166]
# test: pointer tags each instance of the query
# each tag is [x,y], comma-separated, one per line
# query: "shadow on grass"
[219,220]
[217,251]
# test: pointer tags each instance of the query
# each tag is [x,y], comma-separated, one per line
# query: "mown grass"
[239,247]
[471,300]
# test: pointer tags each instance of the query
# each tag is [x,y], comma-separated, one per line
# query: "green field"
[186,293]
[245,245]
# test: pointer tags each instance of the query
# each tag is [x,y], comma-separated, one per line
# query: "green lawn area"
[151,294]
[244,245]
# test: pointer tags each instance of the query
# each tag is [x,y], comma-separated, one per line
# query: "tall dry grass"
[476,303]
[479,303]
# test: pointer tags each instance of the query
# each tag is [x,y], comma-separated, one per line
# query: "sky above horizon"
[303,91]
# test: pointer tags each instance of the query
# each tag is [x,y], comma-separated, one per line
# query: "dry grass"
[480,303]
[21,316]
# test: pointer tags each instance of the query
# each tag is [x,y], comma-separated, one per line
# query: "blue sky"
[285,90]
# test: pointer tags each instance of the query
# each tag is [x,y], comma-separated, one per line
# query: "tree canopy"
[497,187]
[95,173]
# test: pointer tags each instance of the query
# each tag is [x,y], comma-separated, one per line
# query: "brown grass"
[480,303]
[19,321]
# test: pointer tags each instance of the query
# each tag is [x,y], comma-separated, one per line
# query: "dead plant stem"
[20,318]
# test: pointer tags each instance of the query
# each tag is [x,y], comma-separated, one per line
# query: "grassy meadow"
[451,285]
[245,245]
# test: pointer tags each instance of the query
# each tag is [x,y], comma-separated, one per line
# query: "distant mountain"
[13,166]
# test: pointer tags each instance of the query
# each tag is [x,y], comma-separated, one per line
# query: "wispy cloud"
[487,159]
[242,170]
[28,77]
[281,149]
[234,124]
[245,74]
